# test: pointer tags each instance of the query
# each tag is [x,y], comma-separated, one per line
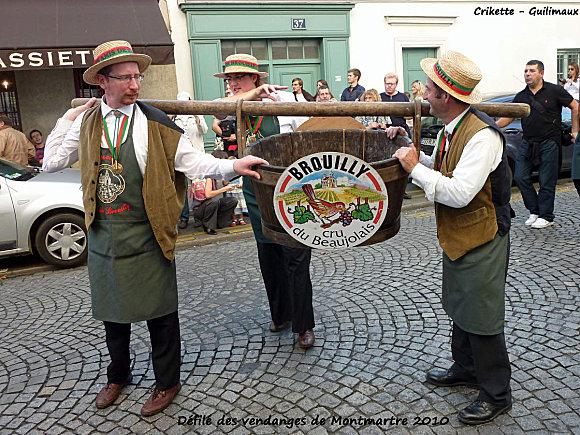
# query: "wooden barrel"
[283,150]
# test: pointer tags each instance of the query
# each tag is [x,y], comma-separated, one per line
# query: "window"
[281,48]
[257,48]
[564,58]
[83,89]
[9,98]
[295,49]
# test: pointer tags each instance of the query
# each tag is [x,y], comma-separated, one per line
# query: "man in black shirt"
[354,90]
[541,144]
[392,95]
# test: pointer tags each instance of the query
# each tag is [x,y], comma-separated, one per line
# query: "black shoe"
[281,327]
[182,224]
[210,231]
[482,412]
[450,378]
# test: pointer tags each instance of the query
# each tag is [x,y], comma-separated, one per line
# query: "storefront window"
[84,90]
[9,98]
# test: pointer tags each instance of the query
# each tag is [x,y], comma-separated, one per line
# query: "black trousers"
[165,350]
[286,274]
[484,357]
[216,212]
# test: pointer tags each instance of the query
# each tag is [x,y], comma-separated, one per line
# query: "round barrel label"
[330,200]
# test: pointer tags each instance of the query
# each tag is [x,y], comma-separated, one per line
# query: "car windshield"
[14,171]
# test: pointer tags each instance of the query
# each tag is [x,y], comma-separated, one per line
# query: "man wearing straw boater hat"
[133,160]
[469,180]
[285,270]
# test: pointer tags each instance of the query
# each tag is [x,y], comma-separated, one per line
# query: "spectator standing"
[392,95]
[373,122]
[572,85]
[37,141]
[417,90]
[320,83]
[324,95]
[299,93]
[542,133]
[354,91]
[13,143]
[470,184]
[194,127]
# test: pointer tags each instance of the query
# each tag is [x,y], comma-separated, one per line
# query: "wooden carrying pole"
[240,108]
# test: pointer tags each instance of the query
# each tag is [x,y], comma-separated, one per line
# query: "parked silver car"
[42,213]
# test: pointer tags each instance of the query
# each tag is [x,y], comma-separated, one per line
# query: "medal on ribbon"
[252,131]
[120,129]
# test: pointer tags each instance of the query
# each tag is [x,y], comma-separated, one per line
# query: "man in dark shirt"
[354,90]
[392,95]
[541,144]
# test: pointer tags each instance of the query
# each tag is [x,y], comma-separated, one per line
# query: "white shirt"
[193,131]
[61,149]
[573,88]
[481,155]
[288,123]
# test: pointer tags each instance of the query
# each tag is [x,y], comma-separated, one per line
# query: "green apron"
[130,278]
[269,127]
[474,287]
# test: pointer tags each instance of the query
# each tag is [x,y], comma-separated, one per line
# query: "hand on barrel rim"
[407,155]
[244,166]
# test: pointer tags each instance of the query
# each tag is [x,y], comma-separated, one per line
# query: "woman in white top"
[194,126]
[572,85]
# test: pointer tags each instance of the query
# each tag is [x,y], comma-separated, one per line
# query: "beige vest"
[163,188]
[462,229]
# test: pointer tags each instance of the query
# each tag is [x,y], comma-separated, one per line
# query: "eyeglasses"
[235,77]
[127,78]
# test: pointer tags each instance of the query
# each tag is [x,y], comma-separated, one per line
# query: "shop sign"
[330,200]
[45,59]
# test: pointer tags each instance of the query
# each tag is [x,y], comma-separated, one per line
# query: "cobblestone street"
[379,328]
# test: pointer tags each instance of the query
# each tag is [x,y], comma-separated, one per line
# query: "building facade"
[41,68]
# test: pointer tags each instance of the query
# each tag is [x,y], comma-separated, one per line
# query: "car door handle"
[511,131]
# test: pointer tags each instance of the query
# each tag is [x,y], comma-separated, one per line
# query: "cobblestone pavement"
[380,326]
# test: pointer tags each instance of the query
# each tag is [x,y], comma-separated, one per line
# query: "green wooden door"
[411,69]
[309,73]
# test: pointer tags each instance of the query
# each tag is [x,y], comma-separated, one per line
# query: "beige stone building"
[41,68]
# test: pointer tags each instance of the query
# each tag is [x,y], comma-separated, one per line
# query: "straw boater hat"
[109,53]
[455,74]
[239,64]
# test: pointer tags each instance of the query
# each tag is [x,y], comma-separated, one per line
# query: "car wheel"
[61,240]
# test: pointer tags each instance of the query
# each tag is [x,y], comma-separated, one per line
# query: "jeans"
[540,203]
[185,211]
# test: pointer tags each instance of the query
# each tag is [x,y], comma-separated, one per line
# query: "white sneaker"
[531,219]
[542,223]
